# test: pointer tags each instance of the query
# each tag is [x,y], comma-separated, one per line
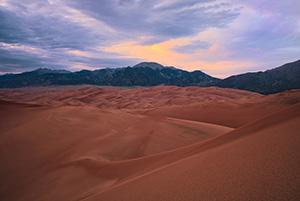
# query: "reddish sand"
[259,161]
[211,105]
[233,112]
[123,98]
[149,144]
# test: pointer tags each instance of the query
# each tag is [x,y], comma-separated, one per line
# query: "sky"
[219,37]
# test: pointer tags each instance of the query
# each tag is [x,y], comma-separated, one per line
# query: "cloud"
[51,30]
[212,35]
[191,48]
[10,26]
[263,36]
[18,61]
[64,31]
[163,19]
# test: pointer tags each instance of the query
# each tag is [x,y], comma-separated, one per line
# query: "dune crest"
[234,166]
[42,143]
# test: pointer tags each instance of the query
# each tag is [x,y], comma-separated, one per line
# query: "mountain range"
[271,81]
[142,74]
[276,80]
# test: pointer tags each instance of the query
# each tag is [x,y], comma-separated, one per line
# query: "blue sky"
[220,37]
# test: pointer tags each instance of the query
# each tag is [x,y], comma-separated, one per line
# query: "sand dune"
[160,143]
[36,141]
[139,98]
[256,162]
[233,113]
[210,105]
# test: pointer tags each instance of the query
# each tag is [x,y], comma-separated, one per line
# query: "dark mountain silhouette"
[142,74]
[271,81]
[35,73]
[152,65]
[276,80]
[41,71]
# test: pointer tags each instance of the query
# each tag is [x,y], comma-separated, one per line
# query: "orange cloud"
[204,59]
[20,47]
[158,52]
[81,66]
[221,69]
[80,53]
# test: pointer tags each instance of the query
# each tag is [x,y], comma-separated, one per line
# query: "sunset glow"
[219,37]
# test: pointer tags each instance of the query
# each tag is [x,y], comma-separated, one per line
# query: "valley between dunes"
[159,143]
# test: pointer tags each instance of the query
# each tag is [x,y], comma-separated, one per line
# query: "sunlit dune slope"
[258,161]
[232,113]
[39,143]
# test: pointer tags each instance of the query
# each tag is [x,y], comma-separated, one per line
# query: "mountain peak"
[152,65]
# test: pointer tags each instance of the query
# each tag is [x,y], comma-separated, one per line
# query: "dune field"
[158,143]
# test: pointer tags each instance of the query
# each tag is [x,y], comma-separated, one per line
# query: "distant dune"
[139,98]
[159,143]
[230,112]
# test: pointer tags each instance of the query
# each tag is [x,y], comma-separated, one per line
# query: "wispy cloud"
[221,37]
[191,48]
